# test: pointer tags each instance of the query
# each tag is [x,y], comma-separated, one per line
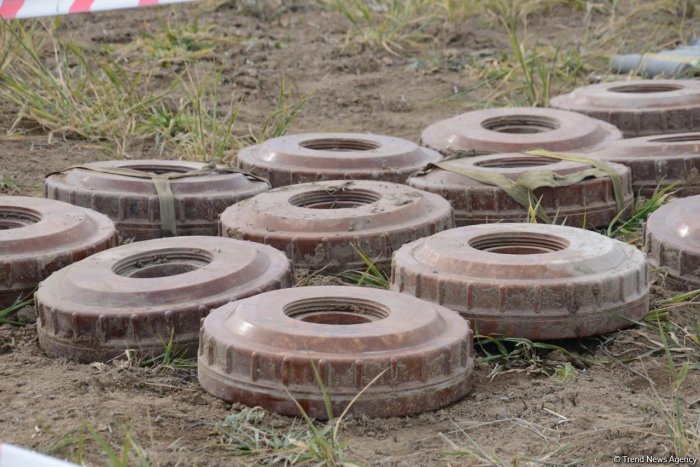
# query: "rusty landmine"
[313,157]
[659,161]
[672,241]
[536,281]
[146,295]
[134,205]
[590,201]
[421,354]
[638,108]
[517,129]
[39,236]
[320,225]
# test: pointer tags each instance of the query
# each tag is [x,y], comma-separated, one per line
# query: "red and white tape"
[10,9]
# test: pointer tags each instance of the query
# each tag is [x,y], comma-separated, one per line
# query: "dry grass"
[532,71]
[193,127]
[74,447]
[65,90]
[175,45]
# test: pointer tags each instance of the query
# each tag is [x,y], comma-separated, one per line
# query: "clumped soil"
[514,409]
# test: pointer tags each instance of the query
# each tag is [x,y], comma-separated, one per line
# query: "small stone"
[557,356]
[27,315]
[247,82]
[99,366]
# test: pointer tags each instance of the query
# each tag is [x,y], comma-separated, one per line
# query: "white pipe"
[12,456]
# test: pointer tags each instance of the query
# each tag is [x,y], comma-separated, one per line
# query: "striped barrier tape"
[10,9]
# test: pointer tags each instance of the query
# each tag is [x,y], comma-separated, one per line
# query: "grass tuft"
[534,69]
[7,314]
[247,433]
[391,25]
[519,352]
[630,229]
[172,358]
[71,95]
[173,45]
[73,447]
[129,454]
[372,276]
[471,449]
[71,91]
[8,185]
[194,128]
[686,439]
[288,106]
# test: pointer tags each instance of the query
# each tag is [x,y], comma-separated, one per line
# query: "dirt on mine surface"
[518,410]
